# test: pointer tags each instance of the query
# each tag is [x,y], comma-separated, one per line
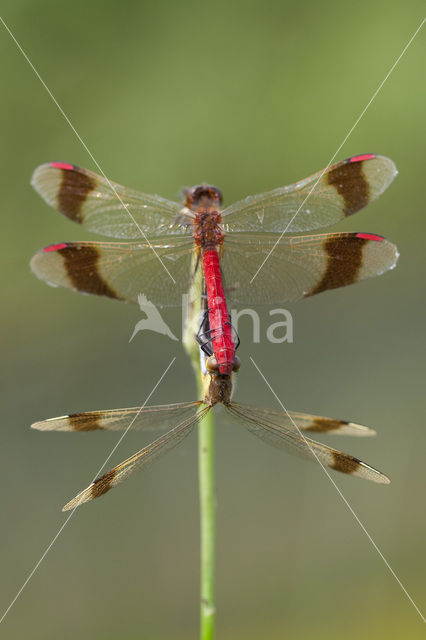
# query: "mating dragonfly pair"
[200,239]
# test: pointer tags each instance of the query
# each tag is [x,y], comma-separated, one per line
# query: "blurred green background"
[248,96]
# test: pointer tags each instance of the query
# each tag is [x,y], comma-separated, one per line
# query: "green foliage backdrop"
[248,96]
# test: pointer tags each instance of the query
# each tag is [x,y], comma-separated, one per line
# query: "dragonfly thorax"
[218,390]
[205,201]
[207,231]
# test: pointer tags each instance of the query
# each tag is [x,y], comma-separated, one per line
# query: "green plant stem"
[207,524]
[205,467]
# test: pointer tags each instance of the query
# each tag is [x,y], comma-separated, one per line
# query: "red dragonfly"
[235,240]
[275,428]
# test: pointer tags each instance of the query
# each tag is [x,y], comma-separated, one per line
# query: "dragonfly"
[228,244]
[284,430]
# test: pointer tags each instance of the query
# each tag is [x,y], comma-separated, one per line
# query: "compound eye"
[212,365]
[237,364]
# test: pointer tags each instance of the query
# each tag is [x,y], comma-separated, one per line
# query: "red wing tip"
[62,165]
[365,156]
[370,236]
[55,247]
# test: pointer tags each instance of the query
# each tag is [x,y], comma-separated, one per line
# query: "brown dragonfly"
[245,235]
[279,429]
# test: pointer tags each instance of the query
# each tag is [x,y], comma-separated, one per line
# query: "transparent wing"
[294,268]
[283,436]
[137,461]
[288,269]
[318,201]
[120,270]
[135,418]
[106,207]
[305,422]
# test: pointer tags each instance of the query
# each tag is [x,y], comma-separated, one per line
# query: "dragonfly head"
[214,367]
[205,196]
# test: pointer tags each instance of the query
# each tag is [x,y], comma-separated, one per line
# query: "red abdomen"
[220,324]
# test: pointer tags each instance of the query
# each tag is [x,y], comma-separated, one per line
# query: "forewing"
[120,270]
[305,422]
[135,418]
[139,460]
[318,201]
[282,437]
[106,207]
[287,269]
